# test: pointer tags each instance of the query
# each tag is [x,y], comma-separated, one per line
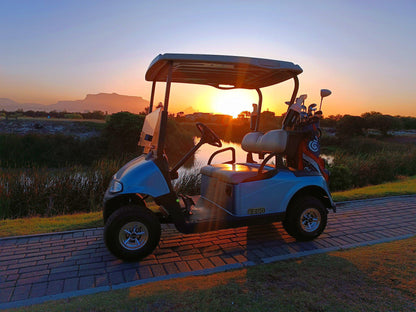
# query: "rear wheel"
[306,218]
[132,232]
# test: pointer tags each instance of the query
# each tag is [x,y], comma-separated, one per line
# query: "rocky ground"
[49,126]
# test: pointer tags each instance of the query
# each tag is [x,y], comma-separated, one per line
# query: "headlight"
[115,187]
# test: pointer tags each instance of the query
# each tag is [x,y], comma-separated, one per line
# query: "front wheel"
[132,232]
[305,219]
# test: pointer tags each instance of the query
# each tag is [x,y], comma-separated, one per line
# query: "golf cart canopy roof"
[221,71]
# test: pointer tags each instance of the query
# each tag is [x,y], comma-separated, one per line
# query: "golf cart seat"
[273,141]
[232,173]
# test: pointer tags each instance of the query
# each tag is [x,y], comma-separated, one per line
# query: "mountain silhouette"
[106,102]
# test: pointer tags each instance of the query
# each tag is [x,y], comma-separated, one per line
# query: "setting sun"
[233,102]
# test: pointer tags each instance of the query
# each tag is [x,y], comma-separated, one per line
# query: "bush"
[48,150]
[340,178]
[360,169]
[122,133]
[48,192]
[349,126]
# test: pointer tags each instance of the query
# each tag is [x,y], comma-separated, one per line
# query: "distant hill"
[106,102]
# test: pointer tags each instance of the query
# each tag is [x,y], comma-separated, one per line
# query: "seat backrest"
[273,141]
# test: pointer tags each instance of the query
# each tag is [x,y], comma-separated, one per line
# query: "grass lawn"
[373,278]
[37,225]
[403,186]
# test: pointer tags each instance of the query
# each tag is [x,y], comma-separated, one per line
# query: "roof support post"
[164,119]
[258,110]
[152,97]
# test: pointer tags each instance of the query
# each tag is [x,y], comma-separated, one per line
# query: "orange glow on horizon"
[232,102]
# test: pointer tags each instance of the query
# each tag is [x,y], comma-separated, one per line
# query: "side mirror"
[325,92]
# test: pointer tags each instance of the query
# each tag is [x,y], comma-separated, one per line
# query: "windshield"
[149,137]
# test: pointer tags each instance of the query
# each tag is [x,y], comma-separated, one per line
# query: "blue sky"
[364,51]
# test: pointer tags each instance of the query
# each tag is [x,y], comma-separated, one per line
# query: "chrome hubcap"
[133,235]
[310,220]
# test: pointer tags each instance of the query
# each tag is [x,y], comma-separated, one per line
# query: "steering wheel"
[208,136]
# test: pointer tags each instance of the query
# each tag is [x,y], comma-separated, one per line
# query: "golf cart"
[288,184]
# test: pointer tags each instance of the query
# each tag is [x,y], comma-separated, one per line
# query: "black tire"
[132,232]
[306,218]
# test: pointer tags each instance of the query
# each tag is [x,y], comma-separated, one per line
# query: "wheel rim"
[133,235]
[310,220]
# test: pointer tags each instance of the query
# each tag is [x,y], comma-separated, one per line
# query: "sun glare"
[233,102]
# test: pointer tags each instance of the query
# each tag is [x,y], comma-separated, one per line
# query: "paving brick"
[92,272]
[62,269]
[63,275]
[101,280]
[171,268]
[4,285]
[38,290]
[228,259]
[86,282]
[183,266]
[8,263]
[130,275]
[95,259]
[212,253]
[21,292]
[12,257]
[71,284]
[5,272]
[191,251]
[169,260]
[158,270]
[168,255]
[10,277]
[29,266]
[195,265]
[32,280]
[92,266]
[34,274]
[217,261]
[116,277]
[206,264]
[192,257]
[240,258]
[55,287]
[6,294]
[145,272]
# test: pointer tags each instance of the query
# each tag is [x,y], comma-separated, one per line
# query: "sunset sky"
[364,51]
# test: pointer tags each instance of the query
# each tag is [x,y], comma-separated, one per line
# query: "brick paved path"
[53,266]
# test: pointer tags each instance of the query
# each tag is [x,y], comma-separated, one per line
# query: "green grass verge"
[37,225]
[373,278]
[27,226]
[404,186]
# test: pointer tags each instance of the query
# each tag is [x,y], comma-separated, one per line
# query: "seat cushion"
[273,141]
[250,142]
[232,173]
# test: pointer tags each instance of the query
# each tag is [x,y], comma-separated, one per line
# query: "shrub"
[48,192]
[349,126]
[340,178]
[122,132]
[48,150]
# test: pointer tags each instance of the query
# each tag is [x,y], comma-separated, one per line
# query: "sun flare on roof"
[233,102]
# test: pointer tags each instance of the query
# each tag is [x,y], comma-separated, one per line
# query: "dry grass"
[392,264]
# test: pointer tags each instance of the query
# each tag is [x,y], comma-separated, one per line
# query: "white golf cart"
[290,184]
